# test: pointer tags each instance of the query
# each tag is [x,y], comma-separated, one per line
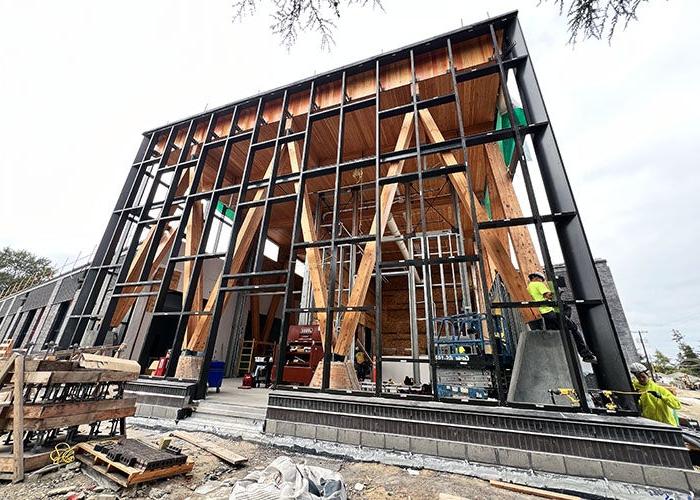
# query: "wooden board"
[211,446]
[123,474]
[78,377]
[62,421]
[19,424]
[91,361]
[36,411]
[32,461]
[519,488]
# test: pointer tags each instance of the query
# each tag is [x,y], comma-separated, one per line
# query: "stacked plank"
[47,401]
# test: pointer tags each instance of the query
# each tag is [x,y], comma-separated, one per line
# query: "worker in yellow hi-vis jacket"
[656,402]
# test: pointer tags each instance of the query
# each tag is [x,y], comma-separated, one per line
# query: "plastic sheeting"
[284,479]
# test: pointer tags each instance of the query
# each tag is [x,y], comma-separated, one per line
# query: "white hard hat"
[537,274]
[637,368]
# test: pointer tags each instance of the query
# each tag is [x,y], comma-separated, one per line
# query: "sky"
[81,80]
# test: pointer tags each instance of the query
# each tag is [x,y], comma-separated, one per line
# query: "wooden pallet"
[123,474]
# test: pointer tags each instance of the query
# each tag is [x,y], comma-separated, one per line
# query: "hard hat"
[637,368]
[537,275]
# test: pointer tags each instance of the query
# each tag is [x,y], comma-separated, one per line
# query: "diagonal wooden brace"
[513,280]
[360,287]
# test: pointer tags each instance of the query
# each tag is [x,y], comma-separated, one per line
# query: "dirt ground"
[212,478]
[690,403]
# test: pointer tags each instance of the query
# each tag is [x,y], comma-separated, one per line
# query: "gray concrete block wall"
[661,477]
[46,327]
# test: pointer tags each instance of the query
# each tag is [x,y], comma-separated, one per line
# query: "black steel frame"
[94,305]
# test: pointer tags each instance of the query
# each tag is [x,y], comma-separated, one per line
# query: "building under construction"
[378,220]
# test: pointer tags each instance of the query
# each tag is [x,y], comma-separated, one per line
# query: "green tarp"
[223,209]
[503,121]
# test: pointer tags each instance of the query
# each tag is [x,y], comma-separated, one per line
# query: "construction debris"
[211,446]
[130,461]
[518,488]
[50,402]
[284,478]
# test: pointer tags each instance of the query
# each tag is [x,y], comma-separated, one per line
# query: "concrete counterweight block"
[540,366]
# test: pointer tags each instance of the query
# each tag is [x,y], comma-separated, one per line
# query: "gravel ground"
[213,479]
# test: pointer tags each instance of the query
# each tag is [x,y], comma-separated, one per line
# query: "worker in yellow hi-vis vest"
[539,291]
[655,402]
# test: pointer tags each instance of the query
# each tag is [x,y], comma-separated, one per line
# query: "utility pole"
[646,355]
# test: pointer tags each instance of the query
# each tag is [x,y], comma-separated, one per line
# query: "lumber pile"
[129,461]
[65,397]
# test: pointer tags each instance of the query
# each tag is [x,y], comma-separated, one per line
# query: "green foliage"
[662,363]
[688,359]
[18,265]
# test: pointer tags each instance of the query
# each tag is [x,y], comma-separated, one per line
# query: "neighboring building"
[34,317]
[617,312]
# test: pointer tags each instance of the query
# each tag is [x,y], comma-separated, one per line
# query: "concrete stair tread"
[231,411]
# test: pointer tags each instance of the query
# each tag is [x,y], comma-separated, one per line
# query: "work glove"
[655,394]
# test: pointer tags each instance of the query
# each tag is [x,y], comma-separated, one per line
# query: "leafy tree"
[17,265]
[662,363]
[597,18]
[688,359]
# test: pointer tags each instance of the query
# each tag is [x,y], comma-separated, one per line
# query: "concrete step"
[230,410]
[226,421]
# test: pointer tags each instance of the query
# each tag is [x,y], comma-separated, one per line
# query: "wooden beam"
[221,451]
[314,260]
[137,263]
[192,240]
[18,420]
[366,268]
[497,212]
[125,303]
[7,367]
[270,319]
[244,241]
[509,206]
[516,285]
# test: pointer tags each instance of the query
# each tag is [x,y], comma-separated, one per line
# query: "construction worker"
[656,402]
[539,291]
[362,365]
[581,346]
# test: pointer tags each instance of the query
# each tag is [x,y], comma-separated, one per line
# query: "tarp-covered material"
[284,479]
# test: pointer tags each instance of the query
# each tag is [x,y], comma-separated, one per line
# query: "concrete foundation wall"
[662,477]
